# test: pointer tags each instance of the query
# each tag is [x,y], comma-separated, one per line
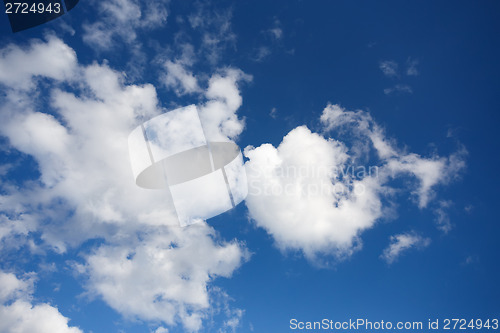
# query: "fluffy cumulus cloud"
[81,187]
[163,277]
[82,157]
[19,66]
[401,243]
[218,114]
[298,193]
[316,194]
[19,314]
[179,78]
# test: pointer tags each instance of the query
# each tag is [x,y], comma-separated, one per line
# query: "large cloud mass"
[81,187]
[316,194]
[163,277]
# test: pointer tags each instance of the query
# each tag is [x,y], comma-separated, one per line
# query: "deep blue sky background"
[330,52]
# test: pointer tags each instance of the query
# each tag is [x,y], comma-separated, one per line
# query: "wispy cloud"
[261,53]
[470,260]
[402,243]
[399,88]
[389,68]
[125,25]
[273,113]
[121,19]
[276,31]
[215,28]
[412,67]
[272,41]
[442,219]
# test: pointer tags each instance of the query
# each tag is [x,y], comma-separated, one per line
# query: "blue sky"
[408,88]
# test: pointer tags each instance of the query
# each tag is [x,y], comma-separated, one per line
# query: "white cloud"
[154,14]
[442,219]
[12,288]
[161,330]
[18,314]
[179,79]
[164,276]
[470,260]
[273,113]
[233,322]
[276,31]
[84,147]
[121,19]
[360,124]
[401,243]
[214,25]
[52,59]
[468,209]
[317,195]
[412,67]
[218,115]
[261,53]
[117,18]
[273,36]
[400,88]
[87,152]
[86,190]
[24,317]
[296,193]
[389,68]
[14,230]
[429,172]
